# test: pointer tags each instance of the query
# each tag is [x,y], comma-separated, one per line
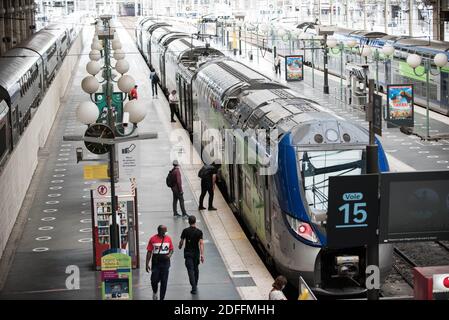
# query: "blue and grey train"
[26,72]
[305,144]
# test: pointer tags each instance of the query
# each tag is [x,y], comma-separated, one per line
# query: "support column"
[410,18]
[16,23]
[2,26]
[438,24]
[23,21]
[9,24]
[347,13]
[364,14]
[386,11]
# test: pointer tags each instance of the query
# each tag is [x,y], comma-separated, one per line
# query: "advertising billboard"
[400,105]
[294,68]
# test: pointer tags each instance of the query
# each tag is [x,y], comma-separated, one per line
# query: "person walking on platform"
[159,251]
[154,78]
[193,251]
[278,285]
[277,65]
[173,101]
[133,93]
[208,175]
[175,183]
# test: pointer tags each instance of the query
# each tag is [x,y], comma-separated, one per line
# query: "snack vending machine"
[126,217]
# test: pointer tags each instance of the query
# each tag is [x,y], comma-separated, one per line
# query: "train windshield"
[318,166]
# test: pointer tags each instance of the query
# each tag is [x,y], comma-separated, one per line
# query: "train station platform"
[405,152]
[56,231]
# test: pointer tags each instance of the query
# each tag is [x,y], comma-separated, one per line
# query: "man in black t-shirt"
[193,251]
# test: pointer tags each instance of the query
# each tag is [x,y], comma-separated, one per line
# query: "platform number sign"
[353,211]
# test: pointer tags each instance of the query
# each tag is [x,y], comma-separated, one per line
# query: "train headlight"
[302,229]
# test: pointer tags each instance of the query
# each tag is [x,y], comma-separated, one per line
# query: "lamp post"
[338,47]
[414,61]
[88,112]
[387,50]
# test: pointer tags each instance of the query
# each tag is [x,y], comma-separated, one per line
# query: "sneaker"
[173,121]
[176,215]
[201,208]
[212,209]
[155,297]
[194,291]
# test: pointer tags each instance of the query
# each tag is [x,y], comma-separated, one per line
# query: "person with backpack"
[208,176]
[154,78]
[193,252]
[159,251]
[173,101]
[174,182]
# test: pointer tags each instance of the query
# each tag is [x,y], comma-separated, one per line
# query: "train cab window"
[317,166]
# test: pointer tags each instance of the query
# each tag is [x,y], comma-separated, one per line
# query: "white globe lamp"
[116,44]
[366,51]
[95,55]
[122,66]
[136,110]
[352,43]
[93,67]
[87,112]
[90,84]
[332,43]
[388,50]
[96,45]
[119,54]
[126,83]
[414,60]
[440,60]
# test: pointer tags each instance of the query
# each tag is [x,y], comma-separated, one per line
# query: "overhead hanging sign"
[294,68]
[129,156]
[400,111]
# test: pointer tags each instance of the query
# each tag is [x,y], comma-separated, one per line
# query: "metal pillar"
[372,251]
[17,27]
[326,71]
[8,25]
[2,27]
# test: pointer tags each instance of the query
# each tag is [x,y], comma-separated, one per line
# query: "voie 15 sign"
[294,68]
[353,211]
[400,105]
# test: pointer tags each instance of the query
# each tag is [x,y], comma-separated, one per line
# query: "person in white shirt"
[277,64]
[172,101]
[278,285]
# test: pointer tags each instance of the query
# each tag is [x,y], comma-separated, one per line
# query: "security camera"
[125,120]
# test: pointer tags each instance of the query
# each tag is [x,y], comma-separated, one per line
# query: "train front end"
[320,147]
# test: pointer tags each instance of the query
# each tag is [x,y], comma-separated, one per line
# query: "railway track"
[409,256]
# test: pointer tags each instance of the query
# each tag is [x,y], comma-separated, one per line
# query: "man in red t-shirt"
[160,248]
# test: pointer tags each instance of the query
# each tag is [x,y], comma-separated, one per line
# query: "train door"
[189,112]
[179,86]
[444,99]
[267,206]
[5,132]
[163,76]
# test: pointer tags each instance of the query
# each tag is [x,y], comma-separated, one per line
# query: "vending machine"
[126,217]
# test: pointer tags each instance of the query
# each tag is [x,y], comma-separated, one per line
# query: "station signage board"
[129,156]
[116,275]
[294,68]
[414,206]
[353,211]
[377,114]
[400,109]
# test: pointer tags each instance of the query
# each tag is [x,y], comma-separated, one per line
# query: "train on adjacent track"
[390,70]
[26,72]
[304,143]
